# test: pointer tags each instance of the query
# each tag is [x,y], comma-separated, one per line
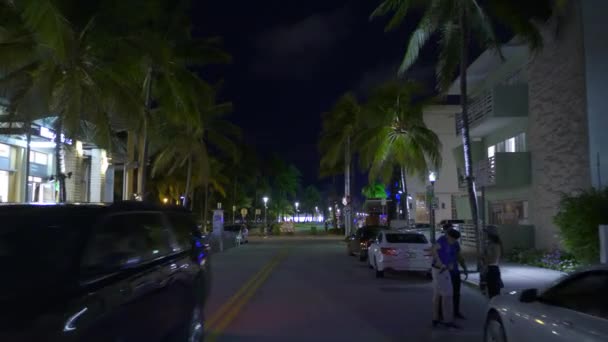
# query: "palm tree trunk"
[143,158]
[404,197]
[347,162]
[206,208]
[466,139]
[58,161]
[188,182]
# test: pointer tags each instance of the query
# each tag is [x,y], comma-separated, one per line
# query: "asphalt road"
[308,289]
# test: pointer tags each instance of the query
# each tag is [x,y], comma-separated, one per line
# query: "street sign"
[244,212]
[258,211]
[383,202]
[234,208]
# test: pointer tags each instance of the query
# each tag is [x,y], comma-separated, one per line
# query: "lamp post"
[265,199]
[432,179]
[296,212]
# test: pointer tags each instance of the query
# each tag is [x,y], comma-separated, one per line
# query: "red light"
[388,251]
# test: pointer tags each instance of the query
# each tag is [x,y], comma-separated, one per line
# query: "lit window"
[5,150]
[491,151]
[41,158]
[510,145]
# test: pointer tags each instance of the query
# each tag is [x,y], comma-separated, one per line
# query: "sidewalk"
[516,276]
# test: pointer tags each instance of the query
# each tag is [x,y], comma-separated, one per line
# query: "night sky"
[292,60]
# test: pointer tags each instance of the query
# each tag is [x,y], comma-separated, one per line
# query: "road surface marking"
[216,330]
[228,304]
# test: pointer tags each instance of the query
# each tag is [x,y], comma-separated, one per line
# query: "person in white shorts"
[445,258]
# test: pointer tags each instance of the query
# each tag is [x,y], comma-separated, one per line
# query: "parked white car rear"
[575,308]
[400,251]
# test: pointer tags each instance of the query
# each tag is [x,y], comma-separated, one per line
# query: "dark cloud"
[297,50]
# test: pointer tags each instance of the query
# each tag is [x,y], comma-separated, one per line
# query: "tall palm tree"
[456,23]
[66,69]
[395,135]
[340,126]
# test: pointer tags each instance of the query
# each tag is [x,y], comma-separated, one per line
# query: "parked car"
[358,243]
[575,308]
[237,232]
[400,251]
[121,272]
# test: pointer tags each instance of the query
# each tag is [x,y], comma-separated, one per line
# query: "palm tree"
[395,135]
[456,23]
[373,191]
[66,70]
[340,126]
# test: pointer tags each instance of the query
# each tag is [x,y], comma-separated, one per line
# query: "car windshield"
[37,249]
[406,238]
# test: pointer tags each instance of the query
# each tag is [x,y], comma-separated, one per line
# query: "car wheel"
[494,331]
[379,274]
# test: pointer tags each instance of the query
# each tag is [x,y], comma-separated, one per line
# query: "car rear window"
[38,248]
[406,238]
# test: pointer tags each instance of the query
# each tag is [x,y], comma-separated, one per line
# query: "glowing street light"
[432,180]
[265,199]
[165,200]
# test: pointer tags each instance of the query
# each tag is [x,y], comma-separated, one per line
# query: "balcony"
[495,108]
[504,170]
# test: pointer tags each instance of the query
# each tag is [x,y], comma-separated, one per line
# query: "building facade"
[87,167]
[536,124]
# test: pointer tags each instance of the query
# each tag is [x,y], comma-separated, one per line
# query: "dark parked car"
[121,272]
[358,243]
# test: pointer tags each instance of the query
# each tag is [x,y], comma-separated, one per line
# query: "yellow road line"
[228,304]
[216,331]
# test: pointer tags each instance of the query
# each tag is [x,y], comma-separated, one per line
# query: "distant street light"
[165,200]
[294,216]
[432,179]
[265,199]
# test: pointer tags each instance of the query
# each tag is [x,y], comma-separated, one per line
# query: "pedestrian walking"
[492,257]
[445,259]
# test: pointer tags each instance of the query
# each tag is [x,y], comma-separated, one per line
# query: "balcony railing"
[479,108]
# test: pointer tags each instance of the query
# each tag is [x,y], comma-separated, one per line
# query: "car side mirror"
[528,296]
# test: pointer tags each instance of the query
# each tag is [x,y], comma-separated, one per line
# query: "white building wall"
[440,119]
[97,181]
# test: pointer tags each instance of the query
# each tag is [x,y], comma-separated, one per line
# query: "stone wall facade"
[558,138]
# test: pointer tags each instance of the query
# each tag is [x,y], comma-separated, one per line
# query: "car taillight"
[388,251]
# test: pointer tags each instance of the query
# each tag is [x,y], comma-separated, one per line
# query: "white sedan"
[400,251]
[575,308]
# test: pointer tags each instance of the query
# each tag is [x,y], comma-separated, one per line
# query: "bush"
[555,260]
[313,230]
[578,220]
[276,229]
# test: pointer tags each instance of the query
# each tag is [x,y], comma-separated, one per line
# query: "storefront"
[5,154]
[39,186]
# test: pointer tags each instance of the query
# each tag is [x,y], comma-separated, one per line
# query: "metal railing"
[480,107]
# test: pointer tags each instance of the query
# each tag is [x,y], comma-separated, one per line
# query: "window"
[585,293]
[126,240]
[491,151]
[406,238]
[379,238]
[39,158]
[5,151]
[510,145]
[3,186]
[184,227]
[520,142]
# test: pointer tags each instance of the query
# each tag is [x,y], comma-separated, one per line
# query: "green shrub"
[313,230]
[276,229]
[578,220]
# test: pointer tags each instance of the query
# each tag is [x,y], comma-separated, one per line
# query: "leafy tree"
[578,220]
[311,200]
[395,135]
[339,128]
[456,23]
[373,191]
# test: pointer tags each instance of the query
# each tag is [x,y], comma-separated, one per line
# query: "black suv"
[120,272]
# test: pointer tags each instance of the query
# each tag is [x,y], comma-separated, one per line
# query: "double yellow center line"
[222,318]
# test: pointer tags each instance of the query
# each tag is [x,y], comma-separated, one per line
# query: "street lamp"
[294,216]
[265,199]
[432,179]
